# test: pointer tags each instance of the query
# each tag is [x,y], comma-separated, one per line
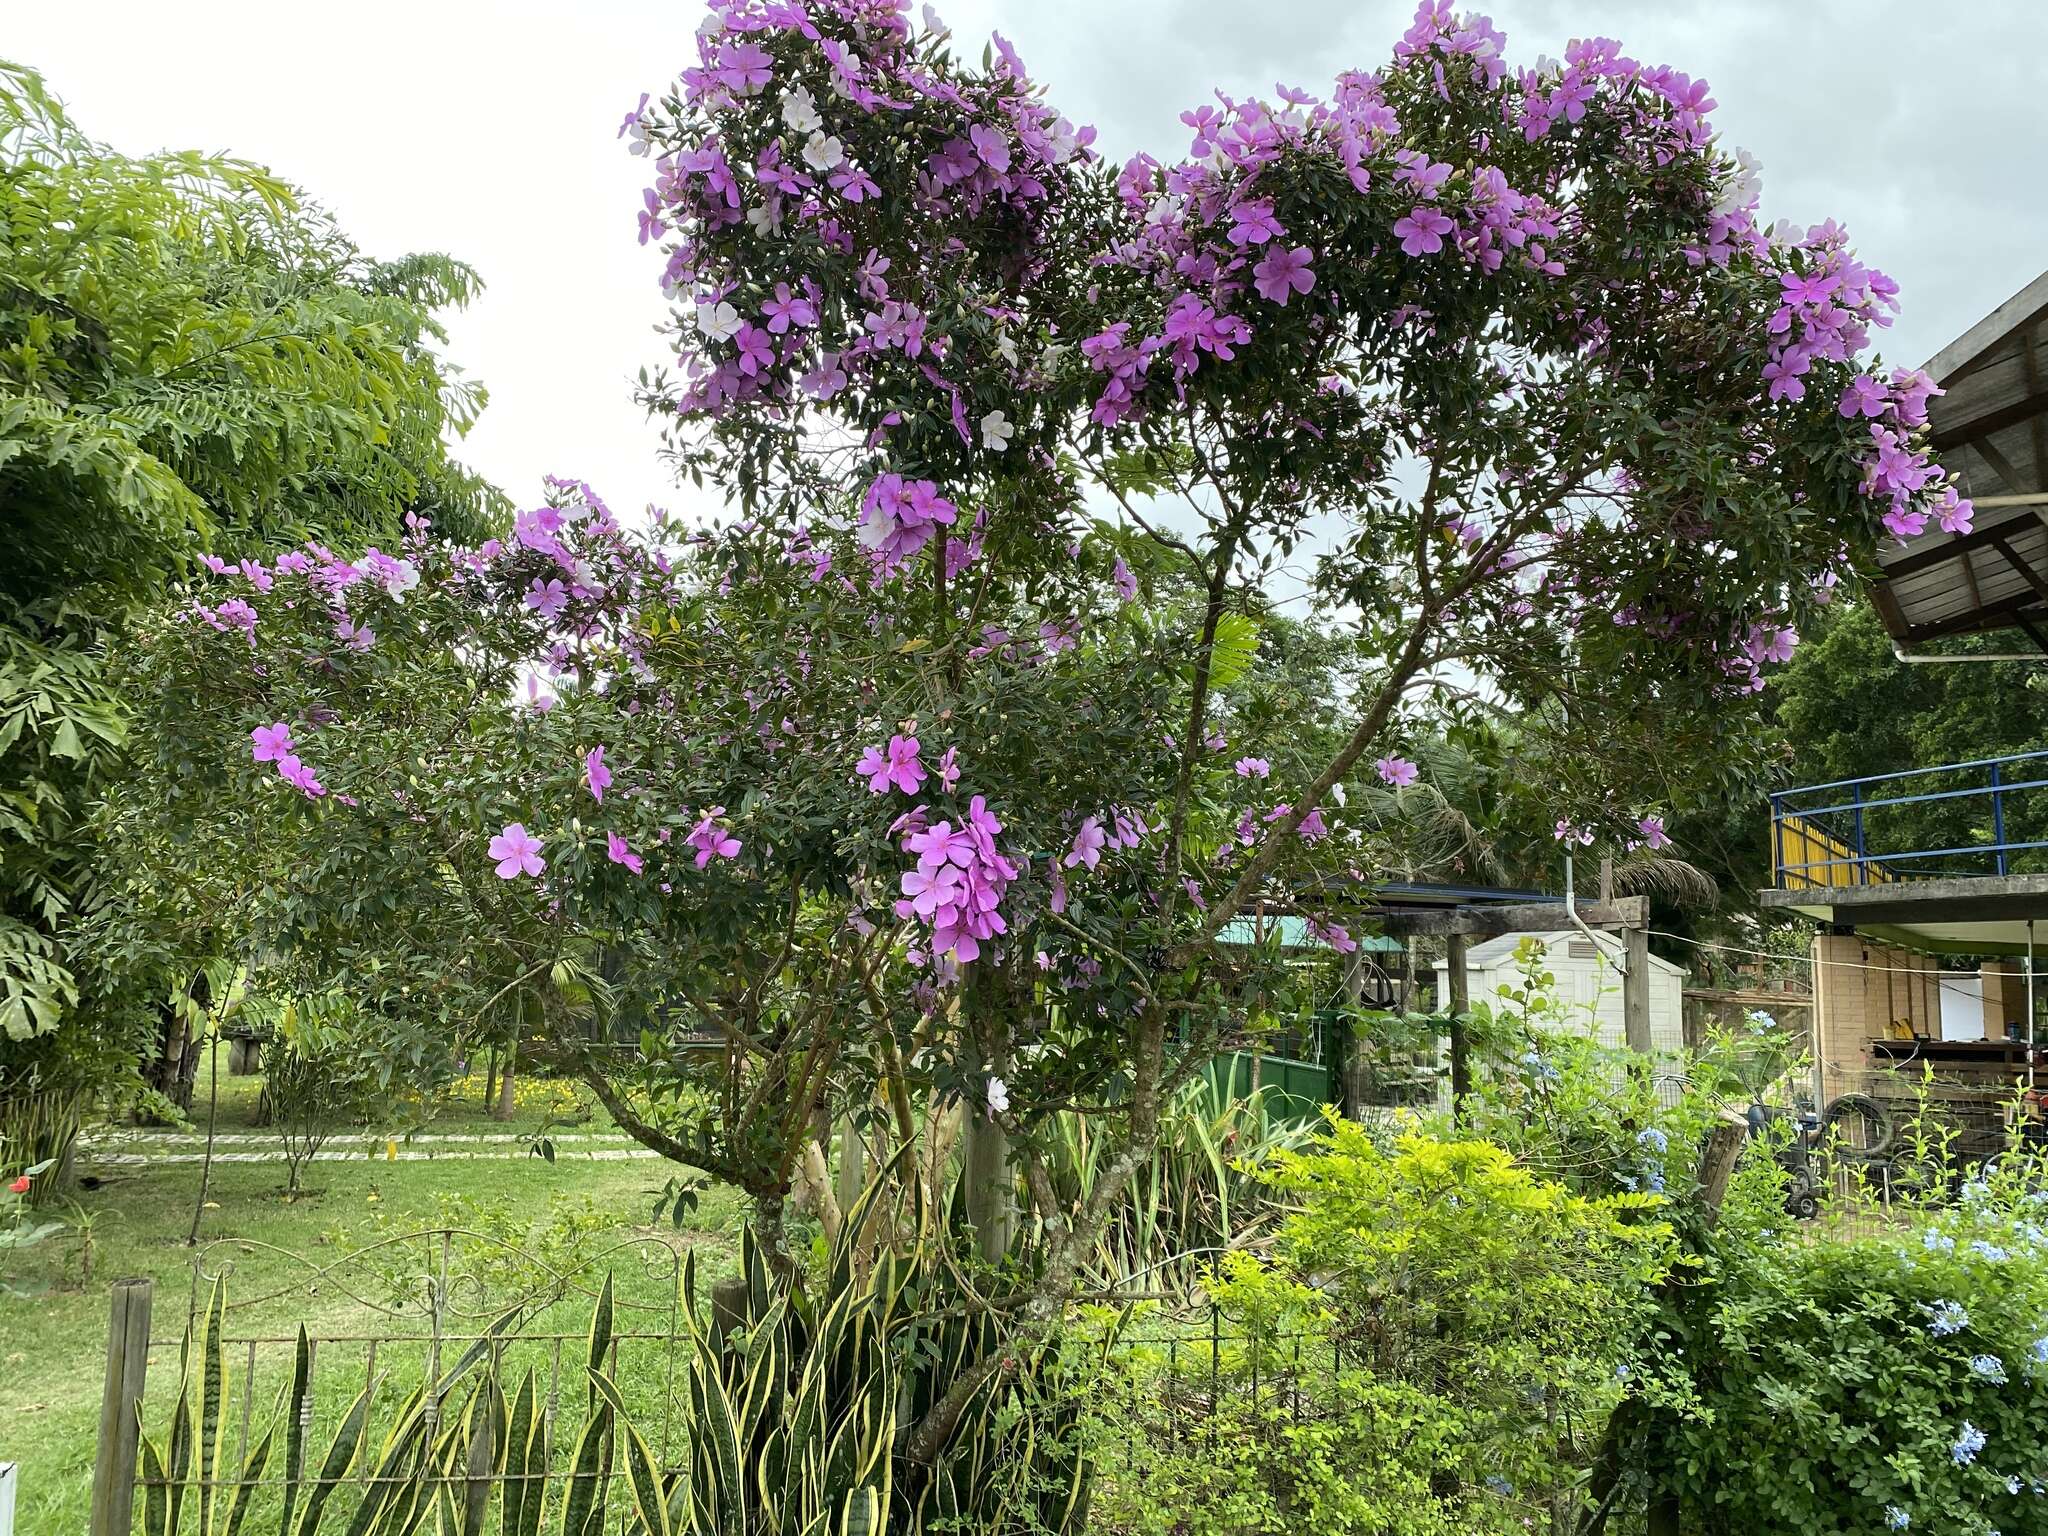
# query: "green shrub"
[1843,1383]
[1436,1345]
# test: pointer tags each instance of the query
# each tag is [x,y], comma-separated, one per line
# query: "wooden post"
[113,1468]
[1461,1004]
[985,1176]
[1635,990]
[1351,1071]
[853,1165]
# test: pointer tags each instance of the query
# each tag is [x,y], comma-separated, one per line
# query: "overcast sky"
[487,130]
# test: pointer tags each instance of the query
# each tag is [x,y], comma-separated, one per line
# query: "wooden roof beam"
[1519,917]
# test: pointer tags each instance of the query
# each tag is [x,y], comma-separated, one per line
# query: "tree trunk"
[505,1109]
[491,1079]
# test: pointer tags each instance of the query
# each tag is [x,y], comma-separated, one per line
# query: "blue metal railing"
[1859,831]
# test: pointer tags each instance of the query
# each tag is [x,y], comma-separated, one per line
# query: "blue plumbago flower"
[1896,1517]
[1969,1442]
[1946,1317]
[1991,1251]
[1653,1176]
[1989,1367]
[2038,1352]
[1938,1242]
[1654,1139]
[1499,1484]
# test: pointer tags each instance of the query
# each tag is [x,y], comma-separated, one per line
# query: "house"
[1588,979]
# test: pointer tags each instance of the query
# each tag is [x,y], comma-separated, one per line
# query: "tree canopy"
[192,358]
[906,782]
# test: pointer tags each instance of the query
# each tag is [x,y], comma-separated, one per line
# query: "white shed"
[1587,979]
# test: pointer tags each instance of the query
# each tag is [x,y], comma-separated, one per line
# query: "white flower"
[1063,139]
[822,152]
[1337,794]
[937,28]
[1743,185]
[996,431]
[800,111]
[711,26]
[766,219]
[1166,209]
[401,579]
[998,1096]
[717,321]
[1006,348]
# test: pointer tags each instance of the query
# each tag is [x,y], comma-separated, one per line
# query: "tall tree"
[191,358]
[1508,350]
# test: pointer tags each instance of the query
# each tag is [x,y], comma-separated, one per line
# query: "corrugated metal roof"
[1293,934]
[1990,429]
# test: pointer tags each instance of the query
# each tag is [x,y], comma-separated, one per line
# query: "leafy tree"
[1506,356]
[191,358]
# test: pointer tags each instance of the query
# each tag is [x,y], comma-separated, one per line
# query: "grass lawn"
[572,1212]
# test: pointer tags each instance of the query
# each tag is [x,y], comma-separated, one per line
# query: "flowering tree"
[1502,357]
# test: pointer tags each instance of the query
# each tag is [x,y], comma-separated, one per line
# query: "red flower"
[19,1186]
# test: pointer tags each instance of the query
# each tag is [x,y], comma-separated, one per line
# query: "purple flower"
[271,742]
[1333,934]
[712,840]
[1253,768]
[616,850]
[300,777]
[517,852]
[785,310]
[1865,396]
[746,67]
[896,764]
[1397,771]
[1422,232]
[1654,835]
[756,349]
[1252,222]
[546,598]
[927,890]
[595,774]
[1126,583]
[991,145]
[949,768]
[1088,844]
[1284,273]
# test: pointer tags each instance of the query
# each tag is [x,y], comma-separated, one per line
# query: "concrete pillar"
[1843,1017]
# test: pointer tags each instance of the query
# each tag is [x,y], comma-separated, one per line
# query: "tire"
[1859,1129]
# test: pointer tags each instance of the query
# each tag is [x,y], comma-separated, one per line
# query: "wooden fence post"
[113,1466]
[1460,988]
[1635,991]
